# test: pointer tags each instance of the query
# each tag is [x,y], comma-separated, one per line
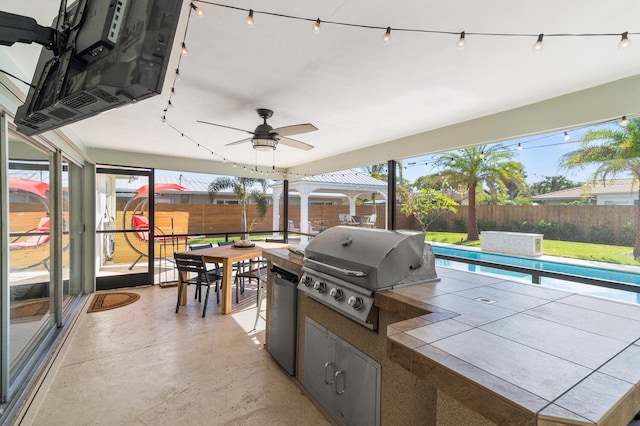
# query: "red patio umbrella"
[158,188]
[32,186]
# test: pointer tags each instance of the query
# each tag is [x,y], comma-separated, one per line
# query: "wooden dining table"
[227,255]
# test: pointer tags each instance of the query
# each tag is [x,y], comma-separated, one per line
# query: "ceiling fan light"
[264,144]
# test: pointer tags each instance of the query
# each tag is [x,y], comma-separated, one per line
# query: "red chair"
[40,238]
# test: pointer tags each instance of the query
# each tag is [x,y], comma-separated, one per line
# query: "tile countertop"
[520,353]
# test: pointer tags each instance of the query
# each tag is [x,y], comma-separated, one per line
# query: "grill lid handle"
[346,272]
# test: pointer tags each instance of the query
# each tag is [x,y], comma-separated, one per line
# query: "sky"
[539,155]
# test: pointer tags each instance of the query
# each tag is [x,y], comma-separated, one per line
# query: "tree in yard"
[552,184]
[613,151]
[244,188]
[426,205]
[471,168]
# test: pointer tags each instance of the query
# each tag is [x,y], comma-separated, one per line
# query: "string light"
[482,155]
[387,36]
[538,45]
[624,41]
[453,162]
[624,122]
[250,19]
[462,40]
[197,10]
[566,136]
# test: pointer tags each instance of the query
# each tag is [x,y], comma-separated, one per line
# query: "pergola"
[351,184]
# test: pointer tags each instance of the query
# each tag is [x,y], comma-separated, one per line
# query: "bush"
[627,236]
[485,225]
[602,234]
[458,225]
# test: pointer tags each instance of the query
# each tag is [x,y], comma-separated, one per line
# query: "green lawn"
[596,252]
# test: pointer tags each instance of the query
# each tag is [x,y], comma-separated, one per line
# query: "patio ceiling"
[370,101]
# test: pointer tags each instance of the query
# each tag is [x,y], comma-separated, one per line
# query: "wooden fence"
[211,218]
[583,217]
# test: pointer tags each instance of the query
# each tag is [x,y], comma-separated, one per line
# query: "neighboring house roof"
[345,177]
[617,186]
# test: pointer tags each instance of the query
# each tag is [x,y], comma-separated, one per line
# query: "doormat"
[106,301]
[28,311]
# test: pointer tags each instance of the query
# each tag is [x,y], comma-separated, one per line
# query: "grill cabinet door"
[357,384]
[319,364]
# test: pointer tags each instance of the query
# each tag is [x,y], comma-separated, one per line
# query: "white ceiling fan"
[267,138]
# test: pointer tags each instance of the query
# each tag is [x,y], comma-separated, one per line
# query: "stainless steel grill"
[344,266]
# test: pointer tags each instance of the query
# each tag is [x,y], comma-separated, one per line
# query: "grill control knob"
[336,293]
[355,302]
[320,286]
[306,280]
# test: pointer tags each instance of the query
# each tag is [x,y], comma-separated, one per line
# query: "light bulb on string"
[538,45]
[177,74]
[481,155]
[173,92]
[624,122]
[386,38]
[197,10]
[250,19]
[183,50]
[567,136]
[316,26]
[164,118]
[453,162]
[169,104]
[624,41]
[519,146]
[462,40]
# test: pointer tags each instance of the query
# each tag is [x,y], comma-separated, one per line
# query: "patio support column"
[304,212]
[352,205]
[275,200]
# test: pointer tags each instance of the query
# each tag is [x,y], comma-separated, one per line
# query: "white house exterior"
[618,192]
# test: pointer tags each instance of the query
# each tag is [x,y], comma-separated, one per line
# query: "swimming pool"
[619,276]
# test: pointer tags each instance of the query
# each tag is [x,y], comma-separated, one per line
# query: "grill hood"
[371,258]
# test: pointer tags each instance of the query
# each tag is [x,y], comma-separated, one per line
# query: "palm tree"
[614,151]
[244,188]
[376,171]
[470,168]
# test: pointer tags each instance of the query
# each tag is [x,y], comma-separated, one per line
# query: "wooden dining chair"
[193,270]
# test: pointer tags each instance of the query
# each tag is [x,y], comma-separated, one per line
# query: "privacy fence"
[606,224]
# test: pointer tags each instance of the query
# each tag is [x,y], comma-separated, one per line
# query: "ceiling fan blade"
[238,142]
[226,127]
[296,129]
[294,143]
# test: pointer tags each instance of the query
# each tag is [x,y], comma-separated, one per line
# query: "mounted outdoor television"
[103,54]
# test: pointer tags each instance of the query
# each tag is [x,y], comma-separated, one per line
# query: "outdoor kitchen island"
[475,350]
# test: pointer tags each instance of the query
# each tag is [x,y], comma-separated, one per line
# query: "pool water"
[544,265]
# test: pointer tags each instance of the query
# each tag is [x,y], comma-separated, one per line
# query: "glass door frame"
[132,279]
